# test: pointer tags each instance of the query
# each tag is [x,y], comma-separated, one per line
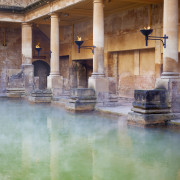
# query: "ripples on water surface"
[45,143]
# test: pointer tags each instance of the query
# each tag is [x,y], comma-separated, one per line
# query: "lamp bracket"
[159,38]
[89,47]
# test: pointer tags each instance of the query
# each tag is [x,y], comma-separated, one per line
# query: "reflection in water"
[45,143]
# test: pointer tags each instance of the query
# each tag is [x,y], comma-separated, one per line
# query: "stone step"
[15,92]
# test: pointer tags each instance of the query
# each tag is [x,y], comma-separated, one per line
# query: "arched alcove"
[41,70]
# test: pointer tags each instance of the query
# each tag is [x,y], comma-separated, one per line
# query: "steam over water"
[39,142]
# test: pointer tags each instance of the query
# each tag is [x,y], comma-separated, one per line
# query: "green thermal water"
[40,142]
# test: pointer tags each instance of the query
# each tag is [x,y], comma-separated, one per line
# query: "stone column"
[55,81]
[98,38]
[54,45]
[170,53]
[98,81]
[26,43]
[27,67]
[170,77]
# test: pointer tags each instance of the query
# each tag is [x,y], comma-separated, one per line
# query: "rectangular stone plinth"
[101,87]
[55,84]
[172,86]
[40,96]
[149,119]
[81,100]
[151,99]
[15,92]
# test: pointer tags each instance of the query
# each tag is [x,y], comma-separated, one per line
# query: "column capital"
[98,1]
[26,24]
[54,15]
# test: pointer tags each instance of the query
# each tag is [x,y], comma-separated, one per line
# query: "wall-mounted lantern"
[147,31]
[79,42]
[38,49]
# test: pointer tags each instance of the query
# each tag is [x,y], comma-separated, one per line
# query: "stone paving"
[122,109]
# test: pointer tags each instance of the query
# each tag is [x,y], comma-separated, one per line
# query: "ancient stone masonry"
[150,107]
[81,100]
[20,3]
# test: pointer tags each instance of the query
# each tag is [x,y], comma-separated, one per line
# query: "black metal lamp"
[38,49]
[79,43]
[147,32]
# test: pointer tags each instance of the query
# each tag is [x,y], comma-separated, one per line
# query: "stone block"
[40,96]
[15,92]
[101,87]
[55,83]
[150,107]
[172,86]
[99,84]
[149,119]
[28,73]
[151,99]
[81,100]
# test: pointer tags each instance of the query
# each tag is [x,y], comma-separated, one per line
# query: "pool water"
[40,142]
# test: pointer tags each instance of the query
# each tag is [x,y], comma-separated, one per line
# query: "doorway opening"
[41,71]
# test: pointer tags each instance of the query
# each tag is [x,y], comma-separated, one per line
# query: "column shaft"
[54,45]
[98,38]
[26,43]
[170,53]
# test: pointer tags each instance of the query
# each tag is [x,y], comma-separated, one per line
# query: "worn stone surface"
[55,83]
[40,96]
[151,99]
[28,71]
[149,119]
[81,100]
[173,88]
[150,107]
[15,92]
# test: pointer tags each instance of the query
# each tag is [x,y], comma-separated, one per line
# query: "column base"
[172,85]
[170,75]
[97,75]
[28,75]
[101,87]
[55,84]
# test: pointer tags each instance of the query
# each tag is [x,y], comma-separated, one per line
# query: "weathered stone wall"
[135,65]
[10,55]
[44,41]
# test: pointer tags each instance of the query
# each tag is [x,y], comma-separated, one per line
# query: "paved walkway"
[118,110]
[123,109]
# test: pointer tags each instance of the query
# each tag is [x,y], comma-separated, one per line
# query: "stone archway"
[41,70]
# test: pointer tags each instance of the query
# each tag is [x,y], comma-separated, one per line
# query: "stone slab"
[151,111]
[81,100]
[149,119]
[151,99]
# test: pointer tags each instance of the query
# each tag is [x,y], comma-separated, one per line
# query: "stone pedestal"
[81,100]
[15,92]
[28,75]
[55,83]
[151,107]
[173,88]
[40,96]
[101,87]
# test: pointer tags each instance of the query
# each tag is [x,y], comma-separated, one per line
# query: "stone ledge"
[149,119]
